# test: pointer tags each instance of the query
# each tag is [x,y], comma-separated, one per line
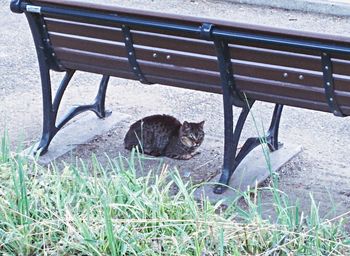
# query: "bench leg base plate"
[252,171]
[77,133]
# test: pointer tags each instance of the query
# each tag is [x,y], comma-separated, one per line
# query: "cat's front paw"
[186,157]
[189,156]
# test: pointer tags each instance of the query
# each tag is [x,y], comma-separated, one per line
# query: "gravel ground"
[323,168]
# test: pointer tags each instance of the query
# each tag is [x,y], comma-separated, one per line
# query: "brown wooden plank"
[341,67]
[151,78]
[59,41]
[284,75]
[86,30]
[184,84]
[98,70]
[288,101]
[176,43]
[294,102]
[106,61]
[274,57]
[298,91]
[92,59]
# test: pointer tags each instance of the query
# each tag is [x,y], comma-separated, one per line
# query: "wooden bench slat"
[192,75]
[286,59]
[276,74]
[59,41]
[341,67]
[105,61]
[314,94]
[86,30]
[184,84]
[274,57]
[152,78]
[99,70]
[92,59]
[294,102]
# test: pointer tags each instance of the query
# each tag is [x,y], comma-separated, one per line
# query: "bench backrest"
[268,64]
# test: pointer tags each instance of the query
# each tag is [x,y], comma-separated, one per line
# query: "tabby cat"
[164,135]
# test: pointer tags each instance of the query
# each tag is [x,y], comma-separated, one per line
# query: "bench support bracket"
[327,69]
[231,95]
[129,46]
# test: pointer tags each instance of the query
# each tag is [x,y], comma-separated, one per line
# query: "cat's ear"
[185,126]
[201,124]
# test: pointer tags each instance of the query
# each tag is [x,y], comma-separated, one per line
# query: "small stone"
[187,174]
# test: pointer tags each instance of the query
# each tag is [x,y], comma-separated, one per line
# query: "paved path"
[330,7]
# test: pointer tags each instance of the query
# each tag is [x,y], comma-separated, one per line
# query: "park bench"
[244,63]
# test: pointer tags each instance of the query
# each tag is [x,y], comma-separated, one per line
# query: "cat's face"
[192,134]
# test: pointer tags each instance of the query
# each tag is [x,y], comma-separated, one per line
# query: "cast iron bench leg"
[232,97]
[272,134]
[99,105]
[231,158]
[51,109]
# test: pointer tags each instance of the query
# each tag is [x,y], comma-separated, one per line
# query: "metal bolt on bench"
[244,63]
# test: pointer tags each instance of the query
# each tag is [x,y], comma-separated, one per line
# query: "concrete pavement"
[329,7]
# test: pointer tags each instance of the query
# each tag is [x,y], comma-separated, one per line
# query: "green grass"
[90,211]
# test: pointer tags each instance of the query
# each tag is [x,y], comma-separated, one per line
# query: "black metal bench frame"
[208,31]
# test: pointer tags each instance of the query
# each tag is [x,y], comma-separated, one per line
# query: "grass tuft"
[82,211]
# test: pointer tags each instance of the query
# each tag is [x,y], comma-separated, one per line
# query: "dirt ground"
[322,169]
